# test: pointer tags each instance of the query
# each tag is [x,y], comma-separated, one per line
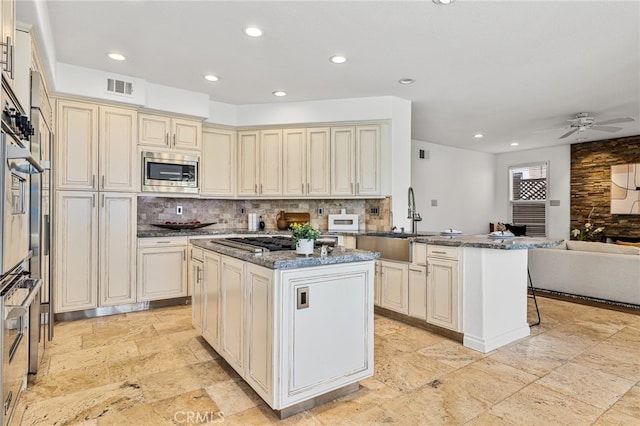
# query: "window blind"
[532,214]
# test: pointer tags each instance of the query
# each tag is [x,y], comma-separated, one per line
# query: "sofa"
[609,272]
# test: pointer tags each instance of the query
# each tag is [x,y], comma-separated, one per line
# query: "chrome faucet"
[413,214]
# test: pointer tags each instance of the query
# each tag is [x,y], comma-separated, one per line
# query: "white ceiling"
[513,70]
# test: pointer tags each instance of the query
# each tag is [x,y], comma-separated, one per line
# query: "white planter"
[304,247]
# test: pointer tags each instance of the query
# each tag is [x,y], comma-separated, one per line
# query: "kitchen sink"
[390,246]
[401,234]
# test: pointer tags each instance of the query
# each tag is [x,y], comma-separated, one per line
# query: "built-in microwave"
[169,172]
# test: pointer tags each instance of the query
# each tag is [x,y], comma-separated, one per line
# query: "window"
[528,197]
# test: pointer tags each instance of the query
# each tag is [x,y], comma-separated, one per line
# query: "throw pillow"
[517,230]
[602,247]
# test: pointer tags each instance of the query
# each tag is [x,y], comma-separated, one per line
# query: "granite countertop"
[288,259]
[483,241]
[152,232]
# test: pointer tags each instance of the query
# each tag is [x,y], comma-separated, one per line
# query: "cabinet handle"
[352,187]
[261,188]
[93,201]
[358,188]
[303,188]
[439,252]
[255,188]
[163,242]
[184,255]
[174,139]
[415,270]
[93,181]
[102,181]
[307,188]
[102,201]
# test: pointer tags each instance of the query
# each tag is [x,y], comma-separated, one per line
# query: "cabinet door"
[248,163]
[77,146]
[8,35]
[294,162]
[368,160]
[258,374]
[196,274]
[418,291]
[186,134]
[118,221]
[211,289]
[153,130]
[76,251]
[118,153]
[162,273]
[318,161]
[217,163]
[377,284]
[232,310]
[442,292]
[45,151]
[394,286]
[271,163]
[342,160]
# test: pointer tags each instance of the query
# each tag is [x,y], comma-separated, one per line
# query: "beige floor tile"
[409,371]
[152,363]
[162,342]
[117,333]
[539,405]
[486,419]
[451,353]
[615,417]
[531,358]
[97,356]
[629,404]
[613,359]
[233,396]
[68,381]
[586,384]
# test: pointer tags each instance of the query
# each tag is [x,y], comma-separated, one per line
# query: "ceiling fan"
[583,122]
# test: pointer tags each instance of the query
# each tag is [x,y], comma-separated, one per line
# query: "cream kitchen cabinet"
[260,163]
[95,148]
[355,160]
[211,302]
[394,283]
[217,162]
[306,162]
[442,287]
[196,281]
[162,268]
[94,250]
[160,131]
[418,291]
[232,310]
[7,43]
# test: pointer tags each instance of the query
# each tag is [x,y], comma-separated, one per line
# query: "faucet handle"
[417,217]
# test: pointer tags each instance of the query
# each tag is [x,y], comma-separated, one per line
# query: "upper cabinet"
[95,148]
[306,162]
[355,160]
[8,34]
[260,163]
[218,171]
[167,132]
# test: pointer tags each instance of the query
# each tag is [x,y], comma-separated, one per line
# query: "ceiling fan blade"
[606,128]
[615,120]
[569,133]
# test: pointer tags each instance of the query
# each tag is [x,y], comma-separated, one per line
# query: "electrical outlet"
[375,211]
[434,203]
[242,210]
[178,209]
[320,211]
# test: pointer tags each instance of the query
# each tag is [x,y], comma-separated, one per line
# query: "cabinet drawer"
[442,251]
[162,242]
[419,254]
[197,253]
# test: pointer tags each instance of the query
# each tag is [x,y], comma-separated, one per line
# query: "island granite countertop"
[288,259]
[484,241]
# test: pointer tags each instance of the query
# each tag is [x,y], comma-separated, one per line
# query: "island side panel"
[494,297]
[328,344]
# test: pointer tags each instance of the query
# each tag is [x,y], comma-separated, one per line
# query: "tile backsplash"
[228,213]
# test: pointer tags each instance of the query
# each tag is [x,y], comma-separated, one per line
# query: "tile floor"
[580,367]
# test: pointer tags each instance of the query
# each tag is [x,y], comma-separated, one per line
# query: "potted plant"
[304,236]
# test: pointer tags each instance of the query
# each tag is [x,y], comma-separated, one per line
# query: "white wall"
[461,181]
[559,158]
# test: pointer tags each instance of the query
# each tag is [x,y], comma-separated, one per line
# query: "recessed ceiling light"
[116,56]
[406,81]
[279,93]
[478,136]
[253,31]
[514,144]
[443,1]
[211,77]
[338,59]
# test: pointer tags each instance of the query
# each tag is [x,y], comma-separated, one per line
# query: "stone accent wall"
[227,213]
[591,184]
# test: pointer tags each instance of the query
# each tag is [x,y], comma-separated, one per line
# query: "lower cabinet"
[394,286]
[162,268]
[95,250]
[232,311]
[442,287]
[196,281]
[211,299]
[418,291]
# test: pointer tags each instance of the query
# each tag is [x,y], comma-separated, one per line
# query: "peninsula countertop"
[484,241]
[288,259]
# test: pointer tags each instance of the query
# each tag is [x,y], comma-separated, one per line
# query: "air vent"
[119,87]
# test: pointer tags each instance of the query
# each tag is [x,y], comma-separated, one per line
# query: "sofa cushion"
[627,243]
[602,247]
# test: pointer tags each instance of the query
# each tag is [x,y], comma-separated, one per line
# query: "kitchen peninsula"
[299,330]
[491,280]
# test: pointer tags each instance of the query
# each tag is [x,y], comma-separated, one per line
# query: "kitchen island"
[491,279]
[298,329]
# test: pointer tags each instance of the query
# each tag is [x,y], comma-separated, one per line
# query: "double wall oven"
[18,291]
